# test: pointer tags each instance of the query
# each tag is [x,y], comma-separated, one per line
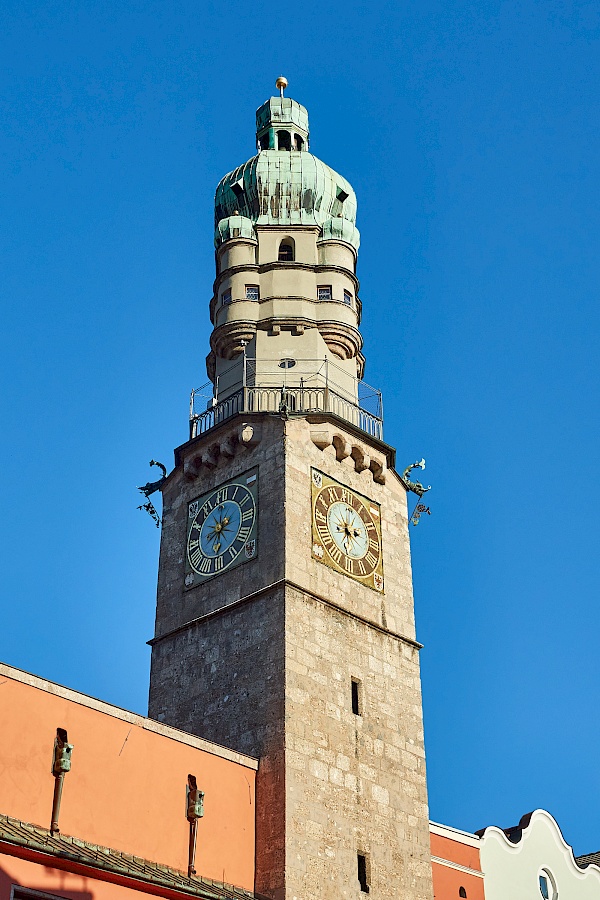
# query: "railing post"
[192,420]
[312,392]
[244,380]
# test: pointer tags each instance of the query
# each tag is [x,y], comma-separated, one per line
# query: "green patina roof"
[234,226]
[287,187]
[282,112]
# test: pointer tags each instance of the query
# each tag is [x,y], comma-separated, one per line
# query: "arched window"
[284,140]
[286,250]
[298,142]
[462,892]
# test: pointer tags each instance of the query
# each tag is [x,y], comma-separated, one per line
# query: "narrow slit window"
[356,704]
[324,292]
[347,298]
[462,892]
[226,297]
[362,873]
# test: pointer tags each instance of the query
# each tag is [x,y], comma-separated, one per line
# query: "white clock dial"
[347,530]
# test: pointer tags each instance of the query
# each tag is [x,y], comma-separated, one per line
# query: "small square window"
[347,298]
[324,292]
[226,296]
[251,292]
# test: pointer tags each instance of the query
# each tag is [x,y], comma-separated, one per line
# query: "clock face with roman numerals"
[221,528]
[346,531]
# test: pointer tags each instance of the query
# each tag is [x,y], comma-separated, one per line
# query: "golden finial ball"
[281,83]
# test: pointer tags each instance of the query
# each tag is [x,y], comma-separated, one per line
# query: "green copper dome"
[283,186]
[233,227]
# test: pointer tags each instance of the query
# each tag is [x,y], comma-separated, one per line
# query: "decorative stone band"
[275,265]
[245,435]
[344,341]
[271,588]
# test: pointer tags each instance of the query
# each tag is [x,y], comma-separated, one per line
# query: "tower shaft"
[285,625]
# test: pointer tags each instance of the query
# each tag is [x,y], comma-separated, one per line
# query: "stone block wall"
[262,658]
[354,783]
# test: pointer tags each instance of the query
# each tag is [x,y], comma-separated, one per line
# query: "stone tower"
[284,624]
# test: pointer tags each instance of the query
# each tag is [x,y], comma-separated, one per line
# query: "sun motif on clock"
[346,531]
[221,529]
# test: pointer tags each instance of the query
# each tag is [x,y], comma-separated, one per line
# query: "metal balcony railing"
[306,386]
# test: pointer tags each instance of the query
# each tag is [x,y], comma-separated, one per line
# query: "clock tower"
[284,624]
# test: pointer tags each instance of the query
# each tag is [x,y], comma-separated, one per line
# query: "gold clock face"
[346,531]
[221,528]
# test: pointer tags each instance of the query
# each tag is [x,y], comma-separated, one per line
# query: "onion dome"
[284,184]
[235,226]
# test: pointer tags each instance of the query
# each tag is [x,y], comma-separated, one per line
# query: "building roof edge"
[117,712]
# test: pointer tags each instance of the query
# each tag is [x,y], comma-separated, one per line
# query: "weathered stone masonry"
[267,671]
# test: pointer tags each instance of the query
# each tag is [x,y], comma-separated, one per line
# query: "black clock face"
[221,528]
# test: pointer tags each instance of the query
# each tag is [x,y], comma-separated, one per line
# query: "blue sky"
[470,134]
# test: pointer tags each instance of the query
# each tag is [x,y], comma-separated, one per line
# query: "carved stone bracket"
[363,458]
[228,340]
[344,341]
[240,437]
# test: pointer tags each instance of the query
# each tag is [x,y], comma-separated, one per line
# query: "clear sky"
[470,134]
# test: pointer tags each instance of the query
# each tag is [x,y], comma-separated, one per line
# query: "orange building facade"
[122,818]
[455,864]
[123,802]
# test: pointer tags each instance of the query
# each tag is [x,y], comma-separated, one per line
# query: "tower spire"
[281,84]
